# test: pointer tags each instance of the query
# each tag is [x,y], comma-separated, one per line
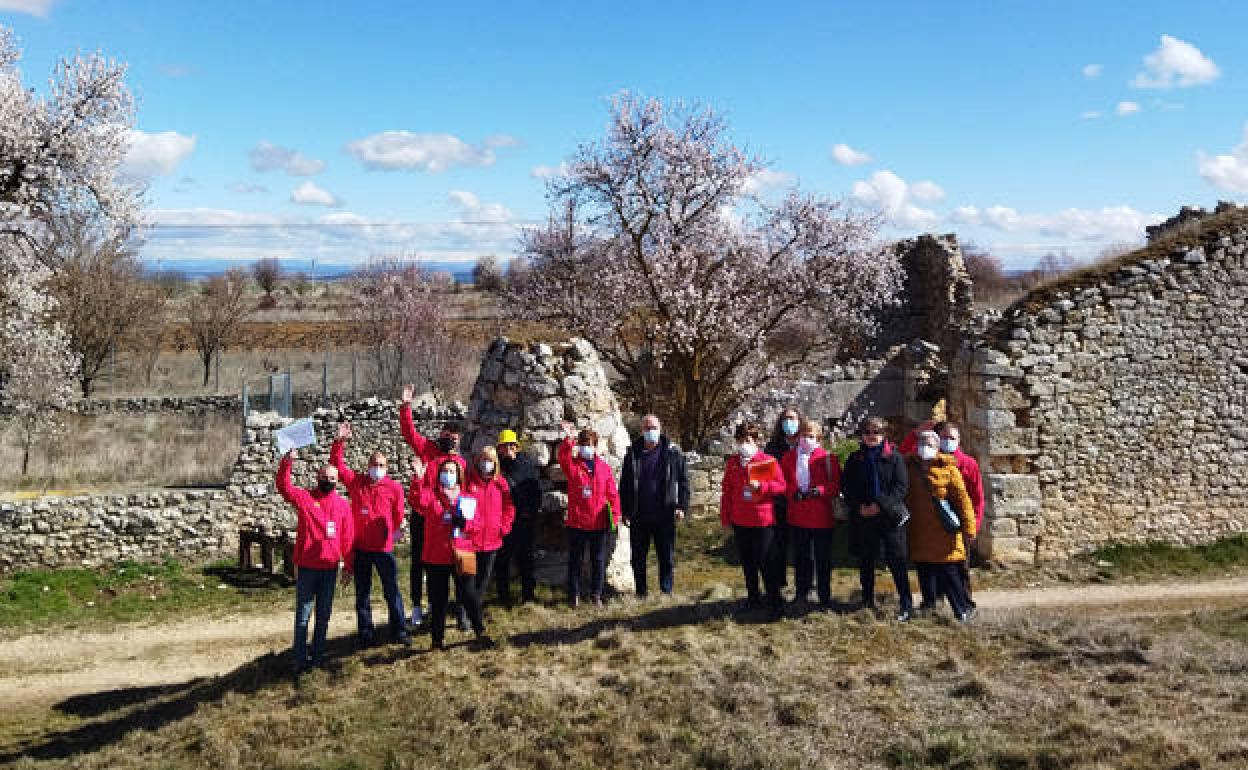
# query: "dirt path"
[45,668]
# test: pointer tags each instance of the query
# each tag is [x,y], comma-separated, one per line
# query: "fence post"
[217,386]
[246,405]
[288,401]
[355,357]
[325,380]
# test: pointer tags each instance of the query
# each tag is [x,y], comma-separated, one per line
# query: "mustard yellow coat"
[929,542]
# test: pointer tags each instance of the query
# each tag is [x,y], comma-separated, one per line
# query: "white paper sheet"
[299,433]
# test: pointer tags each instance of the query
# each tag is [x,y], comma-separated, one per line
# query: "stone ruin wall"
[1111,407]
[198,523]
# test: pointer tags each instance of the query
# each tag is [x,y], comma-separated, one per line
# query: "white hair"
[929,437]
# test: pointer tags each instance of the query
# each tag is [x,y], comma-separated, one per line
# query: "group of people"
[920,502]
[474,517]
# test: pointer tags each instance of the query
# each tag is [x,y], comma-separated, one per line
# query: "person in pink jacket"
[452,521]
[813,480]
[950,443]
[593,509]
[431,453]
[323,535]
[377,510]
[494,509]
[751,479]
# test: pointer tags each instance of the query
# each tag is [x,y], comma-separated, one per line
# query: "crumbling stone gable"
[1111,406]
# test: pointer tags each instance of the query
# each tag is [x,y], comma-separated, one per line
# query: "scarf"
[872,454]
[803,470]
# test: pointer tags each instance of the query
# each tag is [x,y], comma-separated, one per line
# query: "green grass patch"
[1157,559]
[129,591]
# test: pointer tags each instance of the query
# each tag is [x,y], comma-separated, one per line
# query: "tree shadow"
[153,707]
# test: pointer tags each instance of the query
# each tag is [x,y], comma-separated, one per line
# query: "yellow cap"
[508,437]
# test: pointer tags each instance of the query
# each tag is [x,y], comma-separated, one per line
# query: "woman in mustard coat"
[936,552]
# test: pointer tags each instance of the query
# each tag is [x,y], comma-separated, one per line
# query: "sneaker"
[904,616]
[968,616]
[462,622]
[418,617]
[596,600]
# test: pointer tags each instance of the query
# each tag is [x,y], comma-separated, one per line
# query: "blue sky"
[278,129]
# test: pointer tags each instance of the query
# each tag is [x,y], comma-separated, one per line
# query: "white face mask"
[807,444]
[376,473]
[789,426]
[486,467]
[587,452]
[927,452]
[747,450]
[949,445]
[651,436]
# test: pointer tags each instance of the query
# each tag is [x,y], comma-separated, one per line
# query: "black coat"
[526,489]
[866,534]
[675,482]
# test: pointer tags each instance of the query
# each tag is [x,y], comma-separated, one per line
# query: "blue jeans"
[388,570]
[312,586]
[578,541]
[663,533]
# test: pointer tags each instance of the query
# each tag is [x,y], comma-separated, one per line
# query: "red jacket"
[437,511]
[825,480]
[324,533]
[588,494]
[425,449]
[757,511]
[494,510]
[974,483]
[377,507]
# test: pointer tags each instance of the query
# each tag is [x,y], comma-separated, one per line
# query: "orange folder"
[762,470]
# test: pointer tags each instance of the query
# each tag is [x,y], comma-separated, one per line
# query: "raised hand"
[418,468]
[344,431]
[409,392]
[569,430]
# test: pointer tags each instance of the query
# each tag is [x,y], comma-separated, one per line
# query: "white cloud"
[472,209]
[431,153]
[1092,70]
[895,198]
[208,217]
[1112,223]
[158,154]
[309,194]
[1227,172]
[266,156]
[501,140]
[1176,63]
[1090,114]
[550,172]
[1127,108]
[765,181]
[848,156]
[927,192]
[38,8]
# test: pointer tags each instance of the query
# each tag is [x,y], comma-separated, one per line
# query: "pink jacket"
[324,531]
[377,507]
[438,511]
[757,511]
[588,494]
[425,449]
[812,512]
[494,509]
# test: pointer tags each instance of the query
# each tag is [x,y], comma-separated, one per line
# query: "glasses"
[873,433]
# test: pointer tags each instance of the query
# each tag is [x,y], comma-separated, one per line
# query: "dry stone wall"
[1111,407]
[198,523]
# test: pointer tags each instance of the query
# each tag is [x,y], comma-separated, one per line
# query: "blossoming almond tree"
[697,291]
[58,153]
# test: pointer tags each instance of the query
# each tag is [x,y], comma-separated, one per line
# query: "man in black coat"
[654,492]
[874,485]
[526,494]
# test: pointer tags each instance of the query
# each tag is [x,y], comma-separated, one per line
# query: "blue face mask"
[651,436]
[789,426]
[447,479]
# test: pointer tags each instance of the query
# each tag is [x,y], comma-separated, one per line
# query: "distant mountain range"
[204,268]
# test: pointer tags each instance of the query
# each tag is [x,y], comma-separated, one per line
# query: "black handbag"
[945,512]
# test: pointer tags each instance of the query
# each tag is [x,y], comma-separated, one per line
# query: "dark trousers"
[756,547]
[901,579]
[440,577]
[416,592]
[663,533]
[964,568]
[579,540]
[517,546]
[936,580]
[485,570]
[813,551]
[312,587]
[388,570]
[783,538]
